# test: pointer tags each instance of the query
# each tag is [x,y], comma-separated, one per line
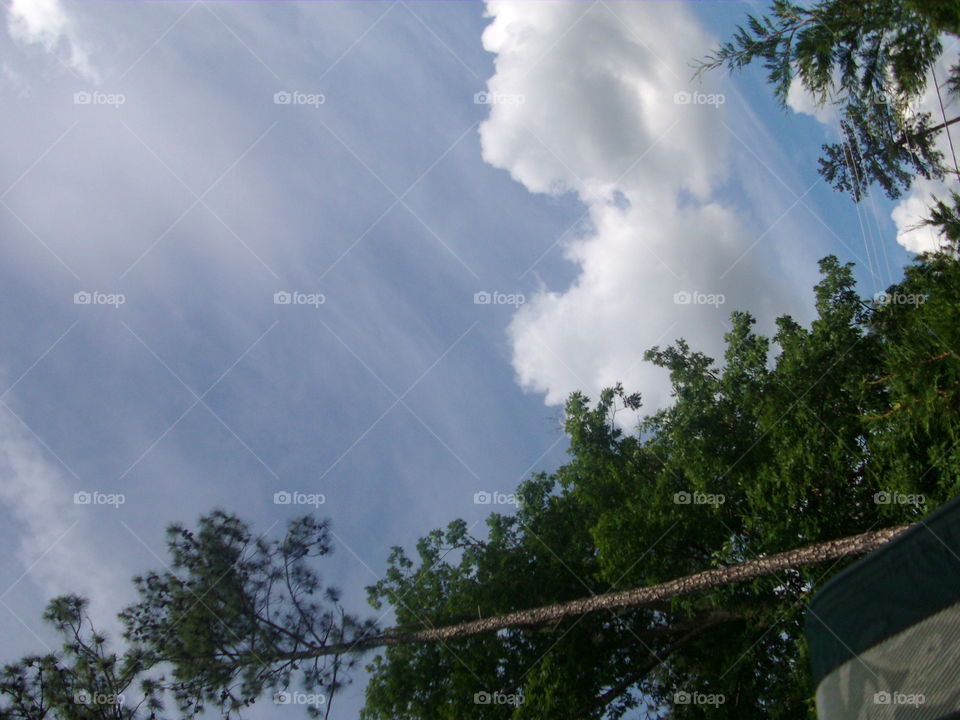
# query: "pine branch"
[850,546]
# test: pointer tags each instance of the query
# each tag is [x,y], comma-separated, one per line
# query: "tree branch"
[810,555]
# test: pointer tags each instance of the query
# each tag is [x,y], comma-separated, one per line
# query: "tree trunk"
[638,597]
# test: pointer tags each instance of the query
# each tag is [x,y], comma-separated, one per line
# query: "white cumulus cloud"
[609,112]
[800,100]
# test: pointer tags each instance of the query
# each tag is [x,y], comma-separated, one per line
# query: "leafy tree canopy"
[820,432]
[851,420]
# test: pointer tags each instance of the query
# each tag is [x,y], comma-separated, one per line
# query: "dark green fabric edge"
[907,580]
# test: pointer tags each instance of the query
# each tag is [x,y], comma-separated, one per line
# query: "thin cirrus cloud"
[597,100]
[99,198]
[53,547]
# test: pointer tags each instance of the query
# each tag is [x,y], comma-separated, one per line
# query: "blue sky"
[180,186]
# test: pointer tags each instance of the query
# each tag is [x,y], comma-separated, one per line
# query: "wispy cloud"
[55,549]
[46,23]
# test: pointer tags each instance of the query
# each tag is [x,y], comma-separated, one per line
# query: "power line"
[946,126]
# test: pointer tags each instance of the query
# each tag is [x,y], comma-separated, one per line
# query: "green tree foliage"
[85,680]
[236,616]
[871,58]
[859,409]
[233,617]
[946,218]
[817,433]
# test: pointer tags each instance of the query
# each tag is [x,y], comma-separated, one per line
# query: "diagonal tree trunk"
[850,546]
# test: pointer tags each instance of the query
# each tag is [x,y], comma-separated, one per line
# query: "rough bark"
[638,597]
